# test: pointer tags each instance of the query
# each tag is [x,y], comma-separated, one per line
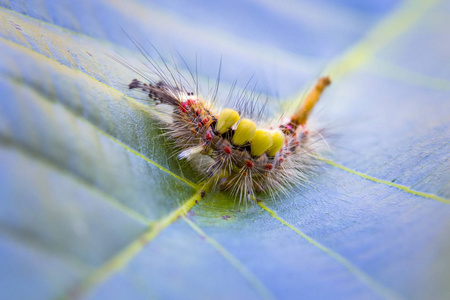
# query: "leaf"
[92,206]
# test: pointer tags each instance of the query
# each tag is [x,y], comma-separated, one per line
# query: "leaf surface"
[92,204]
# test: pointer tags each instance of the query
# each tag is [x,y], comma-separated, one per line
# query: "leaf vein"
[7,142]
[393,71]
[395,24]
[249,276]
[374,179]
[122,258]
[365,278]
[133,101]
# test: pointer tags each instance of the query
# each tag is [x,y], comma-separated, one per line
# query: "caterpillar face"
[231,152]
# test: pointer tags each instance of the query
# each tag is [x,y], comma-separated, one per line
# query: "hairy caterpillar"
[226,146]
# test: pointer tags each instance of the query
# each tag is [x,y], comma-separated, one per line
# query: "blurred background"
[91,203]
[284,44]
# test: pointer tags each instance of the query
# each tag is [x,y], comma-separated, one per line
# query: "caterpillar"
[226,146]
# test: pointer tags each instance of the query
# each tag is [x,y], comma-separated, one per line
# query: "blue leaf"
[92,206]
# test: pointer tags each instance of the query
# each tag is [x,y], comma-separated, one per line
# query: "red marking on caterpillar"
[249,164]
[206,120]
[227,149]
[191,102]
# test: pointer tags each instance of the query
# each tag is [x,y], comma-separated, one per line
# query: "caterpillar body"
[227,147]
